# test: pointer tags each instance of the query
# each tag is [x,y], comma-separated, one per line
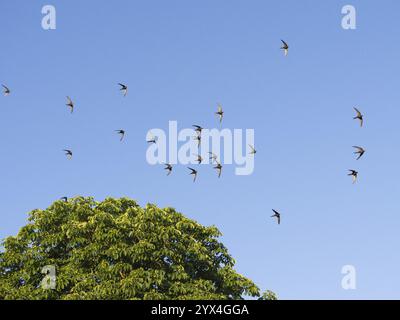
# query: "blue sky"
[179,59]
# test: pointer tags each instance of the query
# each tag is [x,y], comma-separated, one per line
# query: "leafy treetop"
[116,249]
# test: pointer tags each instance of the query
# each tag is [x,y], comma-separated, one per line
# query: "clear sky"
[179,58]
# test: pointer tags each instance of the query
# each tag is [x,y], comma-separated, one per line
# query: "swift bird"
[6,90]
[360,151]
[276,215]
[199,158]
[70,104]
[353,174]
[359,116]
[124,88]
[285,48]
[152,139]
[198,138]
[168,167]
[252,151]
[219,168]
[68,153]
[65,199]
[194,173]
[121,132]
[220,113]
[198,129]
[213,157]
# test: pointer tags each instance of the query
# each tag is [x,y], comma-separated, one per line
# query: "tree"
[116,249]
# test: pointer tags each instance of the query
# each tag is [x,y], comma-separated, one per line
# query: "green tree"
[116,249]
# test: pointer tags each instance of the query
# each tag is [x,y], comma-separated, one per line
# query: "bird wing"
[284,43]
[358,111]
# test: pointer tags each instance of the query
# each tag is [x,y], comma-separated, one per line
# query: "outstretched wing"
[358,112]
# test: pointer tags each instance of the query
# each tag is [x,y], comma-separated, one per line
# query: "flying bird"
[276,215]
[213,157]
[168,167]
[65,199]
[124,88]
[70,104]
[218,167]
[360,151]
[152,139]
[199,158]
[359,116]
[285,48]
[252,151]
[220,113]
[6,90]
[354,175]
[194,173]
[198,129]
[122,133]
[68,153]
[198,138]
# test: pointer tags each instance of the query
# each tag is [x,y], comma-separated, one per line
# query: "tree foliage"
[116,249]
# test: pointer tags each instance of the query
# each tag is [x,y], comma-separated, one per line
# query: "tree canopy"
[115,249]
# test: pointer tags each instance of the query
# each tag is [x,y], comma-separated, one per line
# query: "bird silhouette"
[359,116]
[198,138]
[6,90]
[199,158]
[65,199]
[276,215]
[218,167]
[124,88]
[122,133]
[70,104]
[285,48]
[220,113]
[360,151]
[68,153]
[354,175]
[168,167]
[252,151]
[194,173]
[152,139]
